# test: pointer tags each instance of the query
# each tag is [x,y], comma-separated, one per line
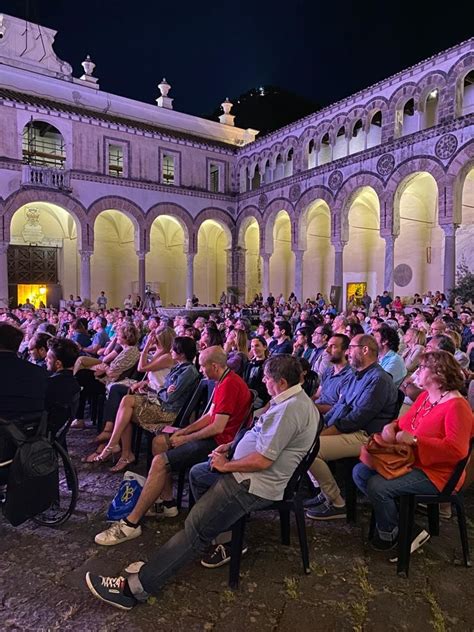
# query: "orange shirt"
[443,437]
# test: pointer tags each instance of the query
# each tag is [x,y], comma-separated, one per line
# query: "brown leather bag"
[390,460]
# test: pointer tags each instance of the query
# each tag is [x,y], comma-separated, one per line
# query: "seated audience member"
[461,358]
[388,343]
[210,337]
[95,379]
[303,347]
[309,379]
[78,333]
[236,347]
[153,411]
[100,338]
[62,387]
[231,402]
[336,376]
[281,342]
[265,329]
[253,375]
[439,427]
[253,478]
[368,402]
[38,348]
[22,384]
[354,329]
[415,340]
[319,359]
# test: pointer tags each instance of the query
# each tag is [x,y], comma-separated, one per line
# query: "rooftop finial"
[164,100]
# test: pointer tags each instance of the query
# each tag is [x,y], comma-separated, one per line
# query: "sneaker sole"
[226,561]
[99,596]
[338,517]
[170,513]
[421,539]
[126,539]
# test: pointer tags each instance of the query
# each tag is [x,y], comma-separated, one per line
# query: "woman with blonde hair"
[415,341]
[236,346]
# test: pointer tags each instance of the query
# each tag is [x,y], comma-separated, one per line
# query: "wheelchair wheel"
[62,508]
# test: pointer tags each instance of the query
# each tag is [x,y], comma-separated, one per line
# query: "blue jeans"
[201,479]
[216,511]
[383,492]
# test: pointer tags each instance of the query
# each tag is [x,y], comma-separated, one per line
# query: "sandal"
[107,453]
[122,464]
[92,457]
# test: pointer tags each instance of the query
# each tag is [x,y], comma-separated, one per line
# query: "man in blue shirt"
[336,376]
[369,401]
[389,342]
[282,338]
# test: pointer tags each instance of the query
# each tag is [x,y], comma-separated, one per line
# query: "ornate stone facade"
[330,203]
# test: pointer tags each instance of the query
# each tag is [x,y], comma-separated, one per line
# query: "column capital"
[449,229]
[141,254]
[85,254]
[339,245]
[388,236]
[266,256]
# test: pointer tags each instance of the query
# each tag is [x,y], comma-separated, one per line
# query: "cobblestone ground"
[350,588]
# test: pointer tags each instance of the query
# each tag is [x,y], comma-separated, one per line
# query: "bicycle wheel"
[62,508]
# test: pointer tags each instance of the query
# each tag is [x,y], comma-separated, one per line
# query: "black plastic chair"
[292,501]
[406,520]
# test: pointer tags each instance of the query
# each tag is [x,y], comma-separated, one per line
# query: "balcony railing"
[45,177]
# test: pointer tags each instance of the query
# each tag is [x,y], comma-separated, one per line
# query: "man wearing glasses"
[368,402]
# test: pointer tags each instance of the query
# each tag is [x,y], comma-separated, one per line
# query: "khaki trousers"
[335,447]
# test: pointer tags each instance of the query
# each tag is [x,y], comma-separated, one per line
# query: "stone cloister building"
[100,192]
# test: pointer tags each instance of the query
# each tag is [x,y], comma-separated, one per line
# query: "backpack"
[33,476]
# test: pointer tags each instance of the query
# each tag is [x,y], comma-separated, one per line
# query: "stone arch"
[269,215]
[289,143]
[245,218]
[460,165]
[402,94]
[123,205]
[435,79]
[219,216]
[378,103]
[302,206]
[174,210]
[339,121]
[27,196]
[353,116]
[322,129]
[275,151]
[348,193]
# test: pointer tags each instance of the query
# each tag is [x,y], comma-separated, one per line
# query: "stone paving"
[350,588]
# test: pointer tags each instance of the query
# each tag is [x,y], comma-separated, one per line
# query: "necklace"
[423,410]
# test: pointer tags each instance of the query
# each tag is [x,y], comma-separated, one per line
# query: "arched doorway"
[210,262]
[420,242]
[253,268]
[318,260]
[43,254]
[166,261]
[364,254]
[114,264]
[282,261]
[465,232]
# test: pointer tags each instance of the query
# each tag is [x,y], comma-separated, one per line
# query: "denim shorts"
[189,454]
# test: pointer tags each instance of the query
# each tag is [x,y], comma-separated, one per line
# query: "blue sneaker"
[326,511]
[110,590]
[314,501]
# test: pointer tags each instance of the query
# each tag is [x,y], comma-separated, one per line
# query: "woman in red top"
[439,426]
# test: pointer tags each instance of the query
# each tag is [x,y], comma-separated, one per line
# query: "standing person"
[101,301]
[127,302]
[366,301]
[385,299]
[439,427]
[255,477]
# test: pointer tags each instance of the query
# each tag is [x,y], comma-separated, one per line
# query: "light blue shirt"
[393,364]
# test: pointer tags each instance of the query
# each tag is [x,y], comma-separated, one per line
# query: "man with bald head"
[368,402]
[187,446]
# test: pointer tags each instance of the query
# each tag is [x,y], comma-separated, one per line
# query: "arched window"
[289,164]
[357,141]
[340,147]
[468,94]
[374,135]
[325,151]
[267,174]
[43,145]
[311,155]
[279,168]
[244,180]
[430,115]
[409,118]
[256,179]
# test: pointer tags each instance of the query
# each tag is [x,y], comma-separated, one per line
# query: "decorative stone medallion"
[446,146]
[402,275]
[295,192]
[335,180]
[262,201]
[386,164]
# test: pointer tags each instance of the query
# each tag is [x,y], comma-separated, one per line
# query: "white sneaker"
[117,533]
[420,537]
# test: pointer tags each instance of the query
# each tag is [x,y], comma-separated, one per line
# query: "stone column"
[190,274]
[298,288]
[3,274]
[238,271]
[266,275]
[85,286]
[141,254]
[449,277]
[339,270]
[389,263]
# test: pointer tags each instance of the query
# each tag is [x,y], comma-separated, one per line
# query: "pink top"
[443,437]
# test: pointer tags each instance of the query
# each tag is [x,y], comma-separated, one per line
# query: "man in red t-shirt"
[188,446]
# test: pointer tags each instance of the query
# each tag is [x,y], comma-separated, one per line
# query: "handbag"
[126,497]
[390,460]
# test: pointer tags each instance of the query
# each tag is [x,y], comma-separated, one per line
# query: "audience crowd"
[404,371]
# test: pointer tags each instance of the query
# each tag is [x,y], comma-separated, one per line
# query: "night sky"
[207,51]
